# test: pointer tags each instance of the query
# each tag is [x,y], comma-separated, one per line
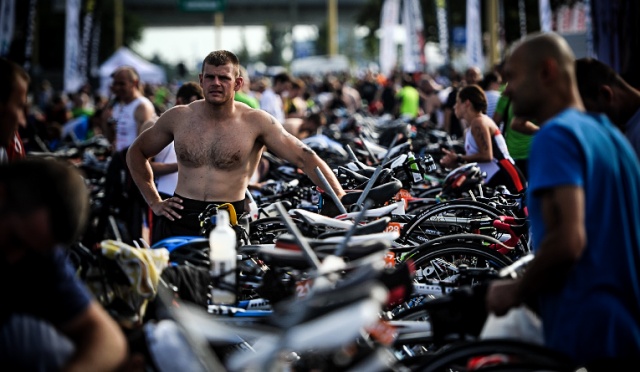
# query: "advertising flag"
[72,78]
[474,35]
[388,22]
[443,29]
[7,24]
[31,27]
[545,15]
[413,52]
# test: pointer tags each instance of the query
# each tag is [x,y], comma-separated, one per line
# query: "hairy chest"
[225,148]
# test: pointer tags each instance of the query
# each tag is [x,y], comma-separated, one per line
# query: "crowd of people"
[540,123]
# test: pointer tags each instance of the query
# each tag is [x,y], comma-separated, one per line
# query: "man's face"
[473,76]
[123,86]
[281,87]
[12,112]
[523,87]
[219,83]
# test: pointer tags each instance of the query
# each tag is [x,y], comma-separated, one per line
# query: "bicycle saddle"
[378,194]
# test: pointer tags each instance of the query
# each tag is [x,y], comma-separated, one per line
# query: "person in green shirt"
[81,105]
[244,94]
[407,99]
[518,133]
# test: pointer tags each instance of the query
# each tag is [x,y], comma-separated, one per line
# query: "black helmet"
[461,179]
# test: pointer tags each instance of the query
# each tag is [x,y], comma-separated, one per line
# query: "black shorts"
[189,224]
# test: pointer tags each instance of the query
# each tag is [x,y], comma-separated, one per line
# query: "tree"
[243,54]
[272,50]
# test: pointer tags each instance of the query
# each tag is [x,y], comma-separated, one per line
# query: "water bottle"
[223,256]
[413,165]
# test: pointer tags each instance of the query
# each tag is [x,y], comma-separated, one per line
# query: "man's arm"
[99,341]
[148,144]
[143,113]
[288,147]
[562,246]
[565,240]
[158,169]
[523,125]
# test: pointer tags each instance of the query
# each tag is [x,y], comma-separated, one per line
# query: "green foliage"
[272,51]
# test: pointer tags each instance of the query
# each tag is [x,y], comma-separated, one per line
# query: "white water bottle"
[223,256]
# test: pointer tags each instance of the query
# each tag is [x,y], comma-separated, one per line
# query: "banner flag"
[31,27]
[413,51]
[474,35]
[443,29]
[72,78]
[522,17]
[7,24]
[87,28]
[388,23]
[591,53]
[95,47]
[545,15]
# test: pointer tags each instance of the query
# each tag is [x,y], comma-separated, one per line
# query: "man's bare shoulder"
[176,114]
[181,110]
[257,116]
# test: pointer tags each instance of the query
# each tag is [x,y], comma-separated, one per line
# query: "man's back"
[576,149]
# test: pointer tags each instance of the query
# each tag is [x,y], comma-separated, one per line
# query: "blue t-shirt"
[596,314]
[43,286]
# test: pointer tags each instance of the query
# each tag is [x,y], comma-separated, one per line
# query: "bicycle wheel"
[455,217]
[441,262]
[497,355]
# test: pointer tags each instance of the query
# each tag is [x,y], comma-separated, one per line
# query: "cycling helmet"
[462,179]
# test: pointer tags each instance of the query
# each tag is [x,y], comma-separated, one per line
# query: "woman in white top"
[484,144]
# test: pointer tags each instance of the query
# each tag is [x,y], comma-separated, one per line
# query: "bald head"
[542,47]
[473,75]
[125,83]
[541,77]
[127,72]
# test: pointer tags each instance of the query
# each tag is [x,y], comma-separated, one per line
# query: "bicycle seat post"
[329,191]
[376,173]
[302,243]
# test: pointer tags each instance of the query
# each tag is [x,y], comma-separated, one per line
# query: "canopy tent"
[149,72]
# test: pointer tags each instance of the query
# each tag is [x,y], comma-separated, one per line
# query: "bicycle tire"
[452,218]
[454,253]
[520,356]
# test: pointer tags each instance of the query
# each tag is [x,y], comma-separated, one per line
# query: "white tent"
[149,72]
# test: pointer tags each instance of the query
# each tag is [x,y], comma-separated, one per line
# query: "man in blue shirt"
[48,319]
[603,90]
[584,208]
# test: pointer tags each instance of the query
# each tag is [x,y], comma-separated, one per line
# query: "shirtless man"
[218,143]
[131,109]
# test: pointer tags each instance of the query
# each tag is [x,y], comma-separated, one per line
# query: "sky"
[191,44]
